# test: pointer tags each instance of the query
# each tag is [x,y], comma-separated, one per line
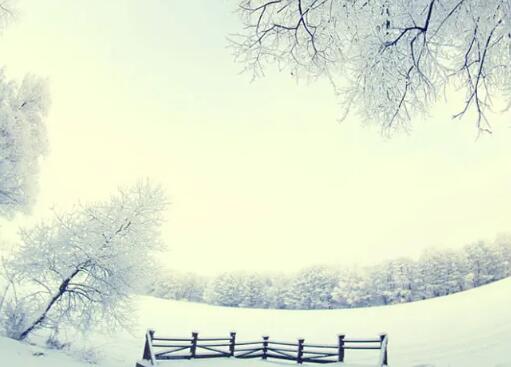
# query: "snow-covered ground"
[16,354]
[469,329]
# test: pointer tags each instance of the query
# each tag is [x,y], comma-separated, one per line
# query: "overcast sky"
[261,176]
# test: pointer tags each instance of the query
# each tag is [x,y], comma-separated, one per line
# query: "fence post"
[341,348]
[193,348]
[385,355]
[299,354]
[232,343]
[265,347]
[147,347]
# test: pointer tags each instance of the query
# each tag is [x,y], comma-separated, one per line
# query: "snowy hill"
[468,329]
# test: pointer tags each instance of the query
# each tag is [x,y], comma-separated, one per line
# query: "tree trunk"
[62,289]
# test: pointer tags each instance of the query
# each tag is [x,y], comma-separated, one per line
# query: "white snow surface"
[16,354]
[468,329]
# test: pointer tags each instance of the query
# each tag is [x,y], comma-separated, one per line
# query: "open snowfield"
[469,329]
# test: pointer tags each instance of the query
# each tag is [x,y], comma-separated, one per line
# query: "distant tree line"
[435,273]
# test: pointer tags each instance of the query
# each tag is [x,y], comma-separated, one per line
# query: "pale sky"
[261,176]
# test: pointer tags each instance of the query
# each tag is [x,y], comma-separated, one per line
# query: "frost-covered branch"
[387,58]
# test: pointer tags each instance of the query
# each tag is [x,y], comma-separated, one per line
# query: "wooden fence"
[158,348]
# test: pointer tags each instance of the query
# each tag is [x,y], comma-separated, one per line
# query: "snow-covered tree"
[353,289]
[312,288]
[225,290]
[482,261]
[80,267]
[389,59]
[193,287]
[255,287]
[439,273]
[276,293]
[176,285]
[392,281]
[23,141]
[502,247]
[23,138]
[237,289]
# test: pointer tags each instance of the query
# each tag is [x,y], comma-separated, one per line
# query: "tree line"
[435,273]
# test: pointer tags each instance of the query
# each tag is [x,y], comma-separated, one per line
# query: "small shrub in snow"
[53,342]
[88,355]
[15,319]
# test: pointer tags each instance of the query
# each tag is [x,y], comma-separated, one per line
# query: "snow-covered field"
[469,329]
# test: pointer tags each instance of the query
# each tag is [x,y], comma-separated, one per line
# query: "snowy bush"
[88,354]
[15,319]
[53,341]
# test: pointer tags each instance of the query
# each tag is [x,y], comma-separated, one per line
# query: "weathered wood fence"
[165,348]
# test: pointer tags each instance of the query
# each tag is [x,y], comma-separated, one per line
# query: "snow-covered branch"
[389,59]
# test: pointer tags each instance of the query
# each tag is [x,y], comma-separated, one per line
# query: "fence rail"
[167,348]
